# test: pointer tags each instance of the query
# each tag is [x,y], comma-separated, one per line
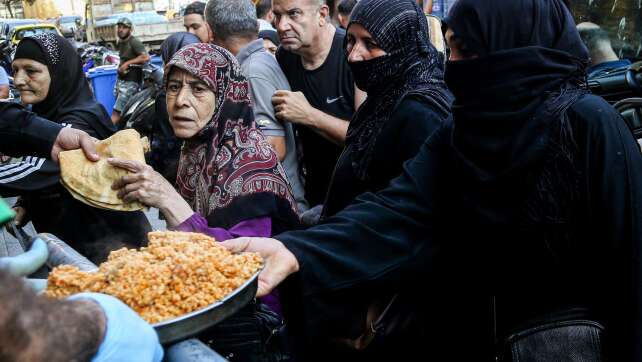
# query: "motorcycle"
[138,113]
[94,55]
[622,88]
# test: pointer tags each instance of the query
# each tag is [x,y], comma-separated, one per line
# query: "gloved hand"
[127,336]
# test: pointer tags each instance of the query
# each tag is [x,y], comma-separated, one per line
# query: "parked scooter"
[622,87]
[138,112]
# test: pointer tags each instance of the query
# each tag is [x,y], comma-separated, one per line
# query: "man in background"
[131,52]
[323,96]
[264,14]
[344,10]
[194,21]
[235,28]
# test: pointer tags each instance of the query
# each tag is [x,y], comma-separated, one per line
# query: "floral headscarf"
[228,172]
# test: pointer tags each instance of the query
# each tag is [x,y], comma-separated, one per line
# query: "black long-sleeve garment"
[484,280]
[23,133]
[409,125]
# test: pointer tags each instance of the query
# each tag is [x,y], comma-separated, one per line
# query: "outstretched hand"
[278,261]
[71,139]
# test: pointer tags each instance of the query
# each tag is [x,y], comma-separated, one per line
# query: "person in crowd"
[4,84]
[48,74]
[427,5]
[270,41]
[229,182]
[323,96]
[343,10]
[520,219]
[96,327]
[264,14]
[165,146]
[84,327]
[603,57]
[194,21]
[391,58]
[131,52]
[234,26]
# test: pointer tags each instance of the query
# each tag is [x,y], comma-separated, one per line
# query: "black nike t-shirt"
[330,89]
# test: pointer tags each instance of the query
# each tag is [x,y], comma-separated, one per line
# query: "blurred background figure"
[270,40]
[194,21]
[603,57]
[264,14]
[343,10]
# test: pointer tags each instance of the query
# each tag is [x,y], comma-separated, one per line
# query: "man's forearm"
[141,59]
[331,128]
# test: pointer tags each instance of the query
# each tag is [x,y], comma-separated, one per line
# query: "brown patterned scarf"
[228,172]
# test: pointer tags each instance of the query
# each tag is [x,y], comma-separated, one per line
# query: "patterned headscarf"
[228,172]
[411,67]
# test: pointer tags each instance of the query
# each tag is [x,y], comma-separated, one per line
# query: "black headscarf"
[411,67]
[175,42]
[69,93]
[527,72]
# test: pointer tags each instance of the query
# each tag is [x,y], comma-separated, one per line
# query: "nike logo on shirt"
[330,101]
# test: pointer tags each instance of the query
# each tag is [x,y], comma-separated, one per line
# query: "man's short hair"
[196,7]
[263,7]
[232,18]
[345,7]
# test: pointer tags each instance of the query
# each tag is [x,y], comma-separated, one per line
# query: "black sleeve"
[24,133]
[613,164]
[416,121]
[379,237]
[33,174]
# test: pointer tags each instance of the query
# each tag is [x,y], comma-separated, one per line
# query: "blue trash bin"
[156,60]
[103,80]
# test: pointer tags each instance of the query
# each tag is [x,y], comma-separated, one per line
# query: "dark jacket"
[486,279]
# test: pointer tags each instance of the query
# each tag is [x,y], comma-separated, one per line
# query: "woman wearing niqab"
[521,218]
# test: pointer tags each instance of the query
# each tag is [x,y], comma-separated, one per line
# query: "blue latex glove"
[128,337]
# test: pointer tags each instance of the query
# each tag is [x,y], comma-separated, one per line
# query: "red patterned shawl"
[228,172]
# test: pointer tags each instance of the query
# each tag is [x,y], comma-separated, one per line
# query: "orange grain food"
[177,273]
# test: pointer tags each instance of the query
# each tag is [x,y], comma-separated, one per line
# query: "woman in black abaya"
[48,74]
[524,213]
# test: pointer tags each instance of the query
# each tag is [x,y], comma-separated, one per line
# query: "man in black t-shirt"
[131,52]
[323,96]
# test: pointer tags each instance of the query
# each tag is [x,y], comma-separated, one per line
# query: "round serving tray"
[188,325]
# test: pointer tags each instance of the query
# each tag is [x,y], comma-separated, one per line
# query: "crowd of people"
[478,204]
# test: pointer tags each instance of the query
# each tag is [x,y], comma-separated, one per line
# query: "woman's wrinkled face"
[190,103]
[360,45]
[32,79]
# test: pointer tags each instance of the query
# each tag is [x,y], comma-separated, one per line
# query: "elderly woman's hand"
[147,186]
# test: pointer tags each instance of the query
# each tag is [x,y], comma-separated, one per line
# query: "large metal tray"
[191,324]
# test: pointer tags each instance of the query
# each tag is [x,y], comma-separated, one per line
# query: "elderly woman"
[521,218]
[229,180]
[48,73]
[165,147]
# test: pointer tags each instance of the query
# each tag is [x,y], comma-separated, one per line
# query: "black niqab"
[510,98]
[69,93]
[411,67]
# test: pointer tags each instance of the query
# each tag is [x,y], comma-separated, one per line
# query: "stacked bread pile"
[90,182]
